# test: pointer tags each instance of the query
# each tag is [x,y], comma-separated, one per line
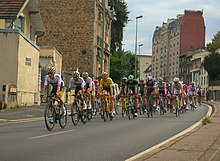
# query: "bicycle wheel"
[89,114]
[74,114]
[128,113]
[63,117]
[83,116]
[49,117]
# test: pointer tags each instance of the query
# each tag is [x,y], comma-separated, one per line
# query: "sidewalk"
[200,144]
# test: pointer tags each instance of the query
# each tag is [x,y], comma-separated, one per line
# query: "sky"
[155,12]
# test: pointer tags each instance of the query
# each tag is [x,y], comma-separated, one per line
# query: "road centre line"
[57,133]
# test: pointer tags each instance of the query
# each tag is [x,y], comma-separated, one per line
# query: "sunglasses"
[49,73]
[74,77]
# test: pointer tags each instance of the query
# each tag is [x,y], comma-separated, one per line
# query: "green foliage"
[121,65]
[215,44]
[212,62]
[120,19]
[206,120]
[211,65]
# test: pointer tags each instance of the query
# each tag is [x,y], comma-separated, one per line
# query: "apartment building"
[144,63]
[198,73]
[20,25]
[76,29]
[176,38]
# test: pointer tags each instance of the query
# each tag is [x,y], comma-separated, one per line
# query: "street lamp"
[135,59]
[139,46]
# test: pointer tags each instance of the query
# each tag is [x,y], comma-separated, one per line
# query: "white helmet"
[176,80]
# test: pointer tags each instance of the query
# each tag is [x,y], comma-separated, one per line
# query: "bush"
[206,120]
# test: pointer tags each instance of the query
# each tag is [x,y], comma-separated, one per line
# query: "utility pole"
[135,59]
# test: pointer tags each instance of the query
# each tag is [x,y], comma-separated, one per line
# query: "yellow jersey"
[106,84]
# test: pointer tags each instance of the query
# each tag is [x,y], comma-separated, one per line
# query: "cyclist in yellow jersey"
[107,84]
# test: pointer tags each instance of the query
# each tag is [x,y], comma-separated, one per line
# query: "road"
[95,141]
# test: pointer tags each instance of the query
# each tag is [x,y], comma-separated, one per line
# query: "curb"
[160,145]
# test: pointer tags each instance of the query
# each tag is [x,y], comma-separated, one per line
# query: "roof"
[9,9]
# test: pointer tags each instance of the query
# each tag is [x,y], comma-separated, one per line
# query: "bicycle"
[150,108]
[88,111]
[193,103]
[125,108]
[52,113]
[142,108]
[77,112]
[177,106]
[106,111]
[131,103]
[162,104]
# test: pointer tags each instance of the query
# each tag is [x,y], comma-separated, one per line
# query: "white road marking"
[7,122]
[57,133]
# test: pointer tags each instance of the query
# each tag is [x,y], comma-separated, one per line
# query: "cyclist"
[192,92]
[88,87]
[199,92]
[132,85]
[162,90]
[177,91]
[107,84]
[56,81]
[116,92]
[142,91]
[79,84]
[151,87]
[185,94]
[122,86]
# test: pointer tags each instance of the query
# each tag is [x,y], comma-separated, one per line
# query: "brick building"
[75,29]
[172,43]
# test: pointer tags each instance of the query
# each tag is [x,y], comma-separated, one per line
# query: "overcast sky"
[155,12]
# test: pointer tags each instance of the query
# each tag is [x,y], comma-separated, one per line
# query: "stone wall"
[70,28]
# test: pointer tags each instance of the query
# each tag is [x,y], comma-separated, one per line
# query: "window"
[19,23]
[28,61]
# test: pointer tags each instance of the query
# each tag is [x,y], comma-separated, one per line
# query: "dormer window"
[19,23]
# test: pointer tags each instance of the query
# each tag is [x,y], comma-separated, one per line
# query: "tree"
[215,44]
[122,64]
[212,61]
[120,19]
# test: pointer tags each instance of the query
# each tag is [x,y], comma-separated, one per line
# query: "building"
[176,38]
[198,73]
[75,28]
[144,63]
[20,25]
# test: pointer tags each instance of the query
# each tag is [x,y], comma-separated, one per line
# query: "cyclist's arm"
[45,84]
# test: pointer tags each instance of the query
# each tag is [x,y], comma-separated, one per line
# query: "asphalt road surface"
[97,140]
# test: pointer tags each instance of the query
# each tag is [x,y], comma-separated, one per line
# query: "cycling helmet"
[150,78]
[141,79]
[176,80]
[124,78]
[160,79]
[51,70]
[85,74]
[76,74]
[104,74]
[130,77]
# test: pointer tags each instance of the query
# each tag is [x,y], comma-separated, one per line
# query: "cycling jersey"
[177,89]
[141,88]
[131,85]
[150,87]
[106,85]
[79,84]
[88,83]
[57,80]
[192,90]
